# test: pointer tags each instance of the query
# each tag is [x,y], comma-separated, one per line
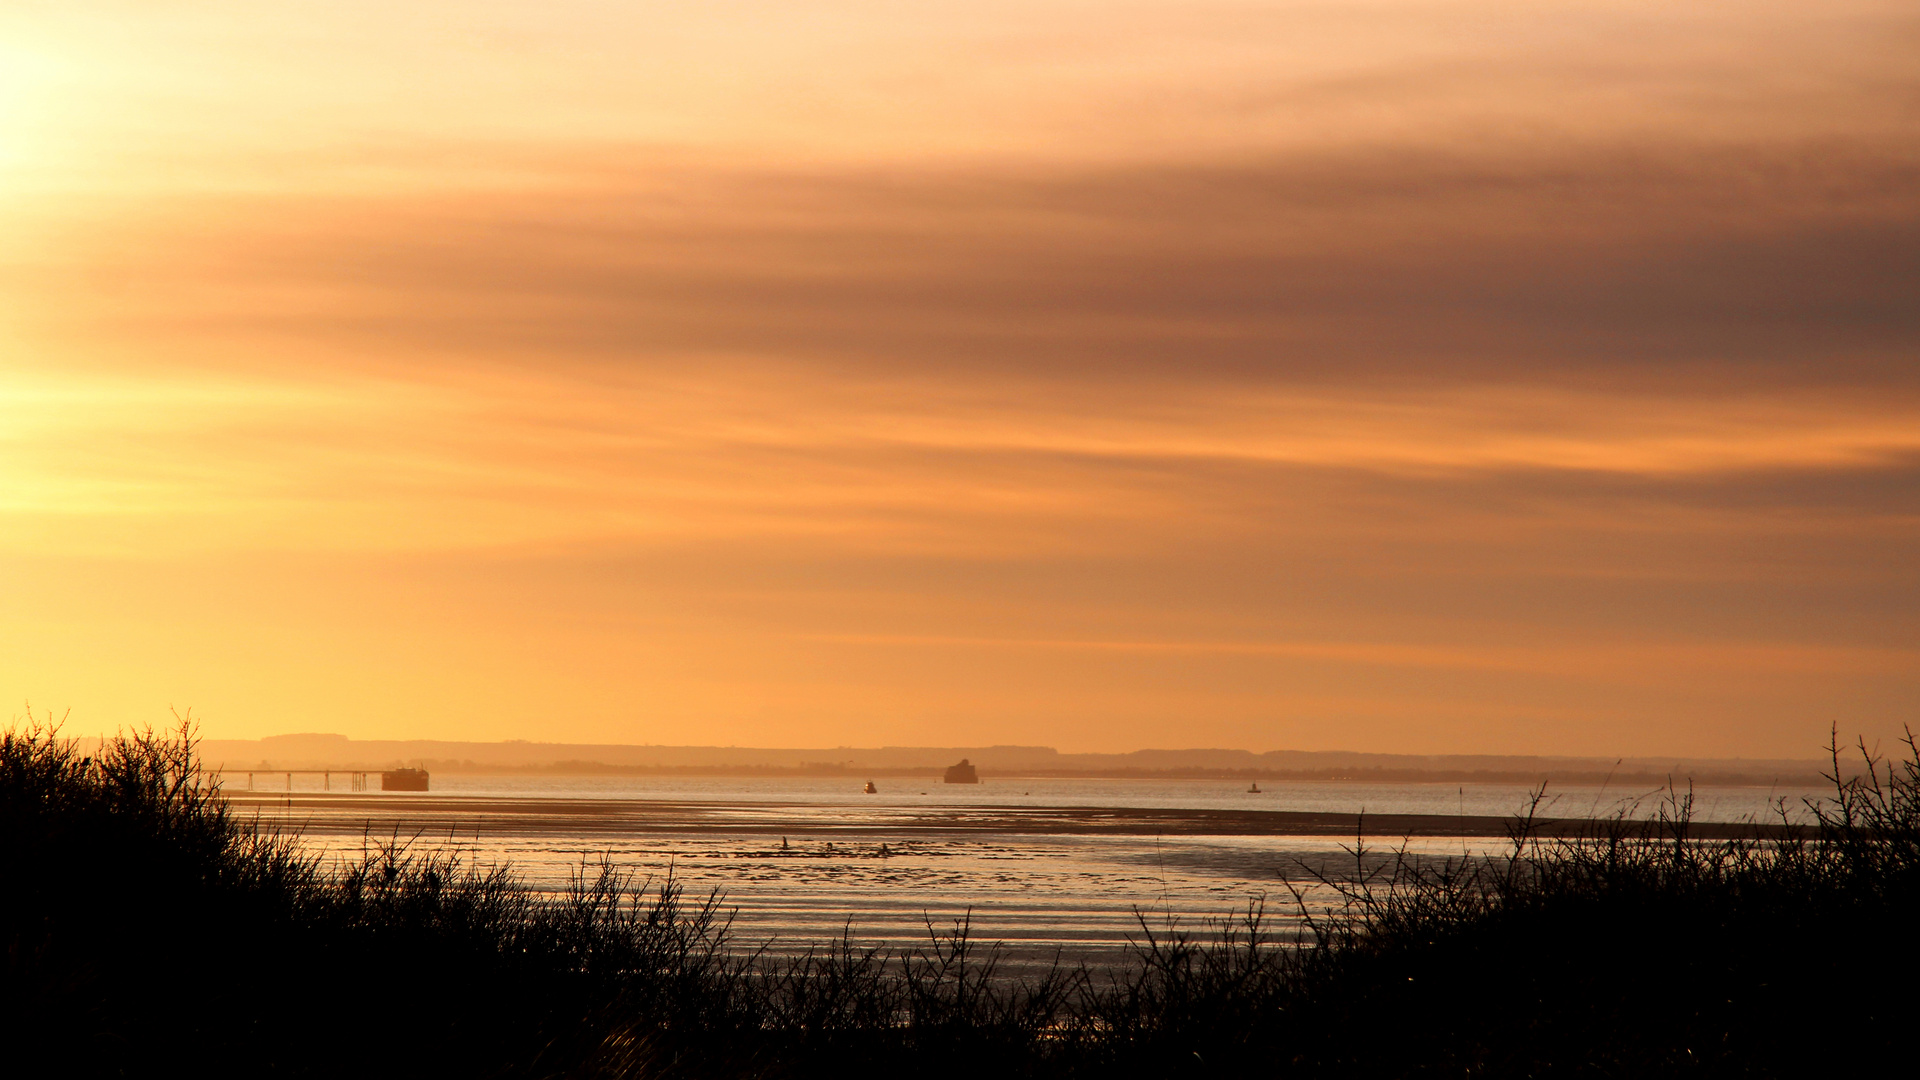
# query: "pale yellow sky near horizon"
[1431,377]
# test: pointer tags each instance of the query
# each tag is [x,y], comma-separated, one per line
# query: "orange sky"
[1414,376]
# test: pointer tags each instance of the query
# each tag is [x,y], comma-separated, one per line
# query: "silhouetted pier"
[390,779]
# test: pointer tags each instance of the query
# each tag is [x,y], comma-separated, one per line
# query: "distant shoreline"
[519,758]
[1331,776]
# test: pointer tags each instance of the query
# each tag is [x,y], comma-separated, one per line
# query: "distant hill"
[301,751]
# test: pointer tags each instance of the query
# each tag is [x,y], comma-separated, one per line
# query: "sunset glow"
[1450,376]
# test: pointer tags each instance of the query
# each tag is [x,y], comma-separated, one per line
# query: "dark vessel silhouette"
[871,790]
[403,780]
[963,773]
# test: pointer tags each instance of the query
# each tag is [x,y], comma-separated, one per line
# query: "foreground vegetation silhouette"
[150,931]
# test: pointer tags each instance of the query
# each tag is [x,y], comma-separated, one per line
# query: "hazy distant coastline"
[307,751]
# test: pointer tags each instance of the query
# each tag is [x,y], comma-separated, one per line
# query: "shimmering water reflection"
[800,860]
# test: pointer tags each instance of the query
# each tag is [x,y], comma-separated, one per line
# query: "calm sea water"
[799,860]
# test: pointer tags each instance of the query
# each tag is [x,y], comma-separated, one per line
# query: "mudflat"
[336,813]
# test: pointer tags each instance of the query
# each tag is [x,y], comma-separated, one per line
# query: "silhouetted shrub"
[147,929]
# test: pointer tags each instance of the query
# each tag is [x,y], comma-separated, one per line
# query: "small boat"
[871,790]
[1254,789]
[393,780]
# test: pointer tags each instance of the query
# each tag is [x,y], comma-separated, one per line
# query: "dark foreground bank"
[130,892]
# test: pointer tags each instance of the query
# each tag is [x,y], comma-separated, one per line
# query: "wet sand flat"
[331,813]
[1040,880]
